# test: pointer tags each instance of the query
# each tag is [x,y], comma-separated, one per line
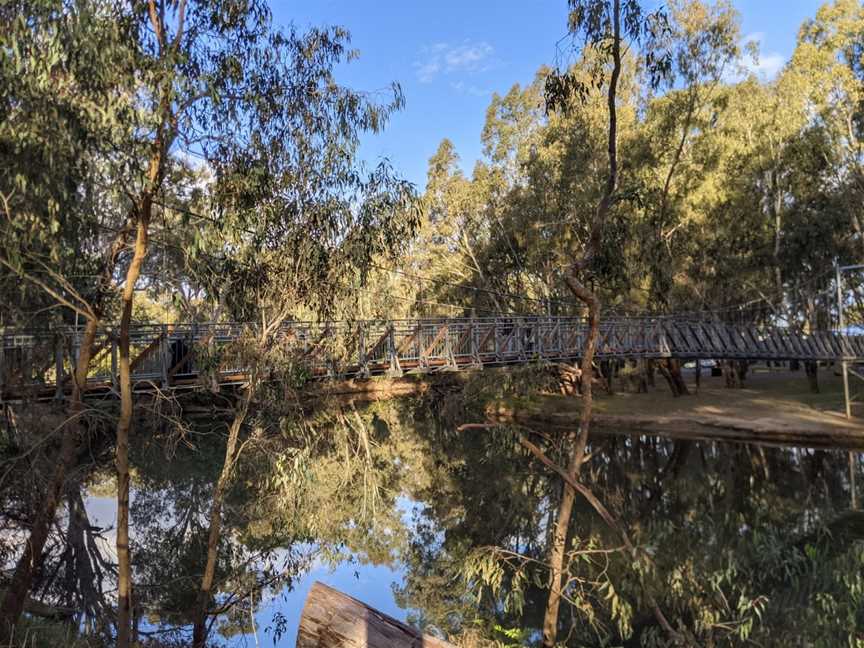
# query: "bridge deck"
[173,355]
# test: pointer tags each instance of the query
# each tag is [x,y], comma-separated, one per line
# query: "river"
[449,530]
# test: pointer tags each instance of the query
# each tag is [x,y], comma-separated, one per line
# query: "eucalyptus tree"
[308,255]
[704,41]
[65,108]
[174,81]
[607,27]
[827,70]
[295,219]
[455,232]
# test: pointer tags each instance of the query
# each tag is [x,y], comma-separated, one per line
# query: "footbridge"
[172,356]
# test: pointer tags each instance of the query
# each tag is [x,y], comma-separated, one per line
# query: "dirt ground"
[775,407]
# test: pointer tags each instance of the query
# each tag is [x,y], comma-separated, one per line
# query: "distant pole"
[842,323]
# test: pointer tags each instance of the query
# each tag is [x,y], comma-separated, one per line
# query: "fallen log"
[332,619]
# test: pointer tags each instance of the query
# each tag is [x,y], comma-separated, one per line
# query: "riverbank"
[773,408]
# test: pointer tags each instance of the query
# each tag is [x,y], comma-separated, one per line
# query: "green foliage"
[730,554]
[726,181]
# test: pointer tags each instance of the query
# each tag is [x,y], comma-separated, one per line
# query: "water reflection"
[738,541]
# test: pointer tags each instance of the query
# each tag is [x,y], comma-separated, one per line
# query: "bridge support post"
[58,365]
[165,356]
[842,322]
[114,379]
[395,368]
[362,366]
[475,352]
[2,361]
[495,339]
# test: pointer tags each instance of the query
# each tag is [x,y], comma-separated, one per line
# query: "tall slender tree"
[604,25]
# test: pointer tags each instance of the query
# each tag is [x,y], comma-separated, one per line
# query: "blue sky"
[450,56]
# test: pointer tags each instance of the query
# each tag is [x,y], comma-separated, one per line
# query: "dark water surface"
[449,530]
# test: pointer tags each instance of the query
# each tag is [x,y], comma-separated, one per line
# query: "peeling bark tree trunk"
[332,619]
[775,207]
[124,424]
[205,592]
[15,596]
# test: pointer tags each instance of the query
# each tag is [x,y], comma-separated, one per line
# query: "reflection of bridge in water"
[174,355]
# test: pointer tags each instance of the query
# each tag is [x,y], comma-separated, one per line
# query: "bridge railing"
[178,354]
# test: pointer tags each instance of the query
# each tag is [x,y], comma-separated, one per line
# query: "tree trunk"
[664,371]
[811,367]
[587,297]
[16,595]
[742,367]
[199,628]
[83,571]
[331,619]
[678,377]
[638,378]
[559,540]
[556,559]
[124,424]
[698,375]
[671,370]
[607,368]
[729,376]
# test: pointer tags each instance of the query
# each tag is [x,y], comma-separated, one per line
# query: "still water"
[450,530]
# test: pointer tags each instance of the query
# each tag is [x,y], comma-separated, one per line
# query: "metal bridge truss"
[171,356]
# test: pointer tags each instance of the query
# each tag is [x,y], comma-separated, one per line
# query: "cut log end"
[332,619]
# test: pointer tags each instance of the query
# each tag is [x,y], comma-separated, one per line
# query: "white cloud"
[468,88]
[765,65]
[447,58]
[768,65]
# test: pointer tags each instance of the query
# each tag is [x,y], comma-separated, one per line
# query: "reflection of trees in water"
[301,490]
[732,531]
[73,582]
[736,539]
[319,489]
